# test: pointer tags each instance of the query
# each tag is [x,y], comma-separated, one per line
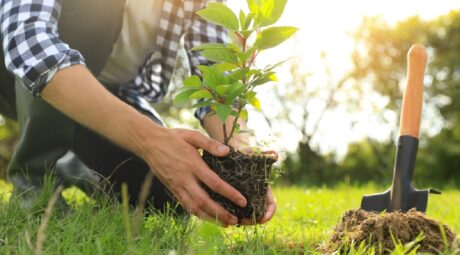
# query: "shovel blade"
[418,199]
[376,202]
[411,198]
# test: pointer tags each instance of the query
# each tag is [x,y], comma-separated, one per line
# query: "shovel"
[402,196]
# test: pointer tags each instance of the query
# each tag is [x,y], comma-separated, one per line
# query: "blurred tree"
[380,59]
[379,56]
[438,162]
[440,158]
[361,164]
[445,67]
[310,103]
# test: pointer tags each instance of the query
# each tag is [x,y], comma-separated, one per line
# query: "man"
[98,62]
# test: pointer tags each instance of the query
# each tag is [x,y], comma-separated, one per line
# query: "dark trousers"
[48,137]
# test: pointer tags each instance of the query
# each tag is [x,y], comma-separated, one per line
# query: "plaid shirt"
[34,52]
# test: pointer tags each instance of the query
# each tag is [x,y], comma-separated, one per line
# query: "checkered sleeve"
[31,45]
[201,32]
[153,77]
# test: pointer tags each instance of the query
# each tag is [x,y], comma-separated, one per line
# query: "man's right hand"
[176,162]
[172,153]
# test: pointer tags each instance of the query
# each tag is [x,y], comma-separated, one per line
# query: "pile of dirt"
[377,229]
[247,173]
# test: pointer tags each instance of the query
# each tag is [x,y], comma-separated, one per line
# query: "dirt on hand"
[377,229]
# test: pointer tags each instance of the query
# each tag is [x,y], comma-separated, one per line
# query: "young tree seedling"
[229,84]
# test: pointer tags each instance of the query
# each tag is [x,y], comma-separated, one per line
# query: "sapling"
[228,85]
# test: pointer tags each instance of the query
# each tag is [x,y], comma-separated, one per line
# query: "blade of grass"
[41,236]
[126,218]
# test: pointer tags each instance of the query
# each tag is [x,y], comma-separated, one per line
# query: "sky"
[325,26]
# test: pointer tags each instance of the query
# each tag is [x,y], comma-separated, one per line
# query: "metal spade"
[402,196]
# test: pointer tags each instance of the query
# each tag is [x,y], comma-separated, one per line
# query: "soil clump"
[247,173]
[377,229]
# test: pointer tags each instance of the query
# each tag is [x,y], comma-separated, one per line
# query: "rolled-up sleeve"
[201,32]
[30,41]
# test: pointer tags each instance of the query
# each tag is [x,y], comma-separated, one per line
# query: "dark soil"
[376,229]
[247,173]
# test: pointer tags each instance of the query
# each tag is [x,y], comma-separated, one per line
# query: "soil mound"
[377,229]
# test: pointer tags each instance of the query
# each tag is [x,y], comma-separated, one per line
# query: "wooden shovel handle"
[413,95]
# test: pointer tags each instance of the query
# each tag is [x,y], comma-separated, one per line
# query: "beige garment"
[136,41]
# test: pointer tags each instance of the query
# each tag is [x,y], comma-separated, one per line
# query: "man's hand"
[271,209]
[176,162]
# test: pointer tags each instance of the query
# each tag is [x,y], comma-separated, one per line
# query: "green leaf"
[206,46]
[224,67]
[253,72]
[235,91]
[237,128]
[272,77]
[260,81]
[220,14]
[266,77]
[244,115]
[247,22]
[270,11]
[242,18]
[192,81]
[237,75]
[254,102]
[250,94]
[244,56]
[201,94]
[247,33]
[184,95]
[222,89]
[213,107]
[220,55]
[253,6]
[273,36]
[237,87]
[212,76]
[235,48]
[223,111]
[201,104]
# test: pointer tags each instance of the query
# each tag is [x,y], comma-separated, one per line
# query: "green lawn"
[304,220]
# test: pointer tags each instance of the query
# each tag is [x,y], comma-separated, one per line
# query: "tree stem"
[234,123]
[226,138]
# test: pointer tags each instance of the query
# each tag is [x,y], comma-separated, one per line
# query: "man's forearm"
[76,93]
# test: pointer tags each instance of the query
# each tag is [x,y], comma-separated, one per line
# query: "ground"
[304,220]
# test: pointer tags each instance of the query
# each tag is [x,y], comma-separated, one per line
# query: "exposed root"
[247,173]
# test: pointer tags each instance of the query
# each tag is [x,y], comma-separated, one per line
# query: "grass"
[304,220]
